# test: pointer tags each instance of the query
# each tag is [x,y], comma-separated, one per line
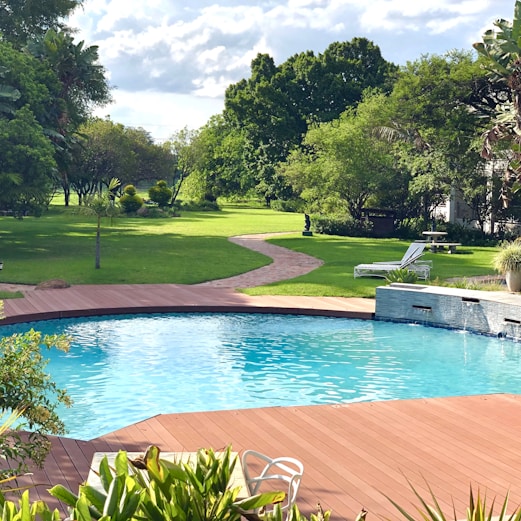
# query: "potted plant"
[508,262]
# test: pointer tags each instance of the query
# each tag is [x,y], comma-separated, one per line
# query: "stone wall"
[487,312]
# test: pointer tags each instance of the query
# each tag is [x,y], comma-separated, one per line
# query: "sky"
[170,61]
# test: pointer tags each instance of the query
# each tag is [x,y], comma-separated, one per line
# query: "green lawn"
[342,254]
[187,249]
[194,248]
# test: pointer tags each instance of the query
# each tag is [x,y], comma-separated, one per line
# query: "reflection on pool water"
[123,369]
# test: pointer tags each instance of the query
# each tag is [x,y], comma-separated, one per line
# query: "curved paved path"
[287,264]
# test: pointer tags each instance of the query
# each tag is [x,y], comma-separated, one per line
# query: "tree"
[342,163]
[8,95]
[435,110]
[27,163]
[220,168]
[103,152]
[348,69]
[58,90]
[25,386]
[102,205]
[83,87]
[106,149]
[21,20]
[153,161]
[183,148]
[274,107]
[501,51]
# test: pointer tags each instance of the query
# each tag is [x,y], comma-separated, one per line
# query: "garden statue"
[307,226]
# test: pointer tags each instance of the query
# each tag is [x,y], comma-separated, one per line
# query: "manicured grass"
[194,248]
[186,250]
[342,254]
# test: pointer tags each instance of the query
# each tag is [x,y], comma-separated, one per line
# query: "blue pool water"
[122,369]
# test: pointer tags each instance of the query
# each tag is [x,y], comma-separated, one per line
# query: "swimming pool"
[123,369]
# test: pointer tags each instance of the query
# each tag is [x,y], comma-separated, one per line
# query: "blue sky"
[171,60]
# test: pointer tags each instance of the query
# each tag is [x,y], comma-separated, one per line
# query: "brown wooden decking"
[353,454]
[136,298]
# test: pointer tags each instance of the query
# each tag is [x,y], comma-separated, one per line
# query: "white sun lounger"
[410,260]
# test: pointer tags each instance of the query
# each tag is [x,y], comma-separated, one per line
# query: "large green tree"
[183,145]
[21,20]
[83,87]
[277,103]
[8,95]
[500,50]
[27,166]
[27,162]
[342,164]
[436,110]
[103,152]
[58,80]
[220,166]
[154,161]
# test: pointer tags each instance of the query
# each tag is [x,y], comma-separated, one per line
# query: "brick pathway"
[287,264]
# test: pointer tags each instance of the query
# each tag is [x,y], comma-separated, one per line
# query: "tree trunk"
[97,264]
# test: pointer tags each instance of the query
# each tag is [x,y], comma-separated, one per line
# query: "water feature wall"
[495,313]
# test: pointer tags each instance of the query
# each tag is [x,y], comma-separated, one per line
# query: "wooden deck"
[354,455]
[141,298]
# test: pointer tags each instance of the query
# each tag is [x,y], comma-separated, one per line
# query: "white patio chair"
[278,474]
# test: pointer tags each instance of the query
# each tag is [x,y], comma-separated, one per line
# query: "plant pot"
[513,280]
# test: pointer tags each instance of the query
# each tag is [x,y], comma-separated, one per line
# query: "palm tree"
[501,52]
[83,86]
[102,205]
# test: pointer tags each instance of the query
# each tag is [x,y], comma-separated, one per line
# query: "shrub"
[508,258]
[28,388]
[344,226]
[160,193]
[130,201]
[410,229]
[469,236]
[293,205]
[402,275]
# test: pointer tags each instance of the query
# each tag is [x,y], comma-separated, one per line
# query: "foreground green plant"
[402,275]
[508,258]
[24,510]
[26,387]
[154,489]
[478,509]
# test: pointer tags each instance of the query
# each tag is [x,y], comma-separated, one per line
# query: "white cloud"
[185,50]
[160,113]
